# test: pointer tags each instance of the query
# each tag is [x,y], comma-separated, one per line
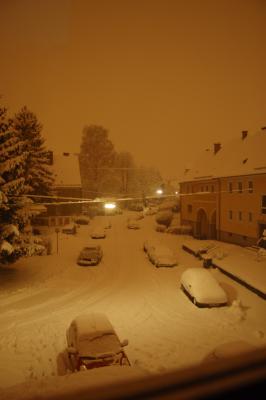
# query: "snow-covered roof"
[66,168]
[235,158]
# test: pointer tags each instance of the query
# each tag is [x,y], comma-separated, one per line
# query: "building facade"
[224,196]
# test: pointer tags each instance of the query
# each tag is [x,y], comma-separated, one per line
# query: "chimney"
[216,147]
[244,134]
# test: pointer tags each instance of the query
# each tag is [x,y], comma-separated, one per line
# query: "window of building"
[250,186]
[212,188]
[263,204]
[230,187]
[189,208]
[250,217]
[240,187]
[202,189]
[207,188]
[240,215]
[230,214]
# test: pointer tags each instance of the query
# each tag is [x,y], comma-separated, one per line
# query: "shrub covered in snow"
[160,228]
[180,230]
[171,205]
[164,218]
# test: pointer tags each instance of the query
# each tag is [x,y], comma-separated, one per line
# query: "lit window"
[240,187]
[250,187]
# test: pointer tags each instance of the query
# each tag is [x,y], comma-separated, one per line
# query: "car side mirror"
[124,343]
[71,350]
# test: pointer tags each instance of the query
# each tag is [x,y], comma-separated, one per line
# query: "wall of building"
[199,197]
[241,210]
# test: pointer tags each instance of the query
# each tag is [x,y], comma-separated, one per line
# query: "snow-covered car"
[202,288]
[90,255]
[133,224]
[70,229]
[161,256]
[148,244]
[98,233]
[92,343]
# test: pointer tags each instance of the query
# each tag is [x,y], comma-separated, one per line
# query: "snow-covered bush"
[160,228]
[82,220]
[164,218]
[180,229]
[171,205]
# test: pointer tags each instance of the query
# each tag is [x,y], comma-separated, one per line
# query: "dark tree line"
[106,172]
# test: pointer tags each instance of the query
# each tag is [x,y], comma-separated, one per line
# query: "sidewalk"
[244,265]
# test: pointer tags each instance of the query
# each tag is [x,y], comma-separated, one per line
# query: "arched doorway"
[213,232]
[202,225]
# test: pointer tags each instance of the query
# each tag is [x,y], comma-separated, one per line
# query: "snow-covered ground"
[41,295]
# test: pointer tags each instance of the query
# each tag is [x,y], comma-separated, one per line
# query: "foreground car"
[202,288]
[161,256]
[93,343]
[90,255]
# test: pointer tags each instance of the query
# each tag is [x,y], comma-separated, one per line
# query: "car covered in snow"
[133,224]
[202,288]
[161,256]
[148,244]
[70,229]
[90,255]
[92,343]
[98,233]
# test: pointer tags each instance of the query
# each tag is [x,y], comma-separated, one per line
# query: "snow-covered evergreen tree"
[37,172]
[11,186]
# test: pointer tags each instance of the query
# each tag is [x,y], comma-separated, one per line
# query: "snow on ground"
[41,295]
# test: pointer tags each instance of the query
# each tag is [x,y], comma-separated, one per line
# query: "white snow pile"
[6,247]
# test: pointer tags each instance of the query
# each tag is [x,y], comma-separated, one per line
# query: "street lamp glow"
[110,206]
[159,191]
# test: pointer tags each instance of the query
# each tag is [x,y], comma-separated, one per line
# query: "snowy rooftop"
[235,158]
[67,172]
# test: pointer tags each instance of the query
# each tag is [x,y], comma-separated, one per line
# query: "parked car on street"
[148,244]
[70,229]
[90,255]
[161,256]
[92,343]
[202,288]
[98,233]
[133,224]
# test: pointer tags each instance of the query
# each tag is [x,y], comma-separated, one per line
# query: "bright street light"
[110,206]
[159,191]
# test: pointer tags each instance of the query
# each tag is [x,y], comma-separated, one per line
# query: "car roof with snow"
[91,325]
[201,284]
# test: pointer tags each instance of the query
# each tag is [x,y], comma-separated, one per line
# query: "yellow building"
[223,196]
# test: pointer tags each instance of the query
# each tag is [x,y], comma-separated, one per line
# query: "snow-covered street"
[41,295]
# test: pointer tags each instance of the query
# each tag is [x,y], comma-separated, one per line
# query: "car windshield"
[95,346]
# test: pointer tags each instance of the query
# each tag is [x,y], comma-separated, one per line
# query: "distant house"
[224,195]
[67,187]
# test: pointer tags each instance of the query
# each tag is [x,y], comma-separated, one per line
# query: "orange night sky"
[167,78]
